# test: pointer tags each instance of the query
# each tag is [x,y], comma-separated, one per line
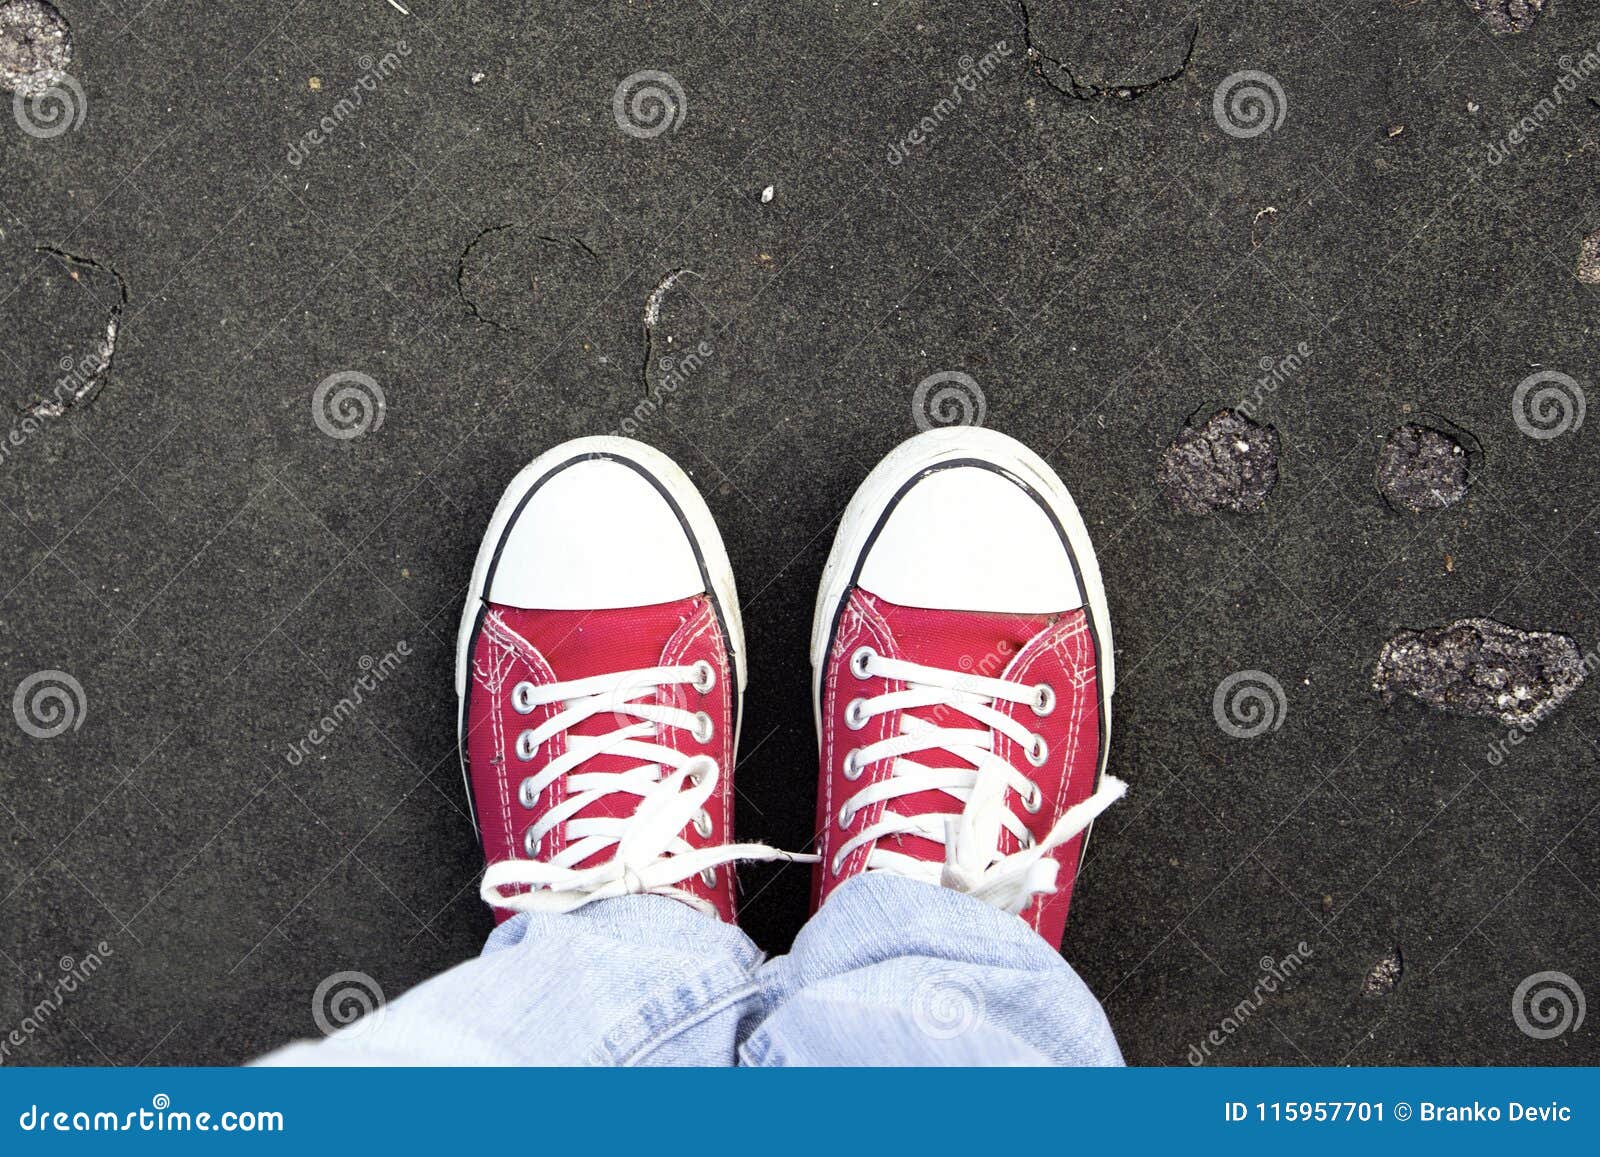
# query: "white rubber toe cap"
[971,539]
[596,535]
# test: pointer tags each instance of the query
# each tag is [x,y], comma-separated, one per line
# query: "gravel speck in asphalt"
[1229,463]
[35,46]
[1507,17]
[1589,259]
[1421,469]
[1384,975]
[1481,667]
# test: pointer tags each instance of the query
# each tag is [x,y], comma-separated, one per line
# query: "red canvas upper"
[1028,649]
[541,647]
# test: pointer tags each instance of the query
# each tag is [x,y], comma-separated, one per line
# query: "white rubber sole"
[905,462]
[683,493]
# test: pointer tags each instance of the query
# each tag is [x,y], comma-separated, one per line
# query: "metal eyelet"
[1044,699]
[1033,800]
[525,747]
[702,824]
[522,698]
[703,728]
[1027,841]
[1038,751]
[855,714]
[859,661]
[837,863]
[709,877]
[525,794]
[852,764]
[705,677]
[846,816]
[530,845]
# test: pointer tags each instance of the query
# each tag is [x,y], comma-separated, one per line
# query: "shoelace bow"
[973,861]
[673,788]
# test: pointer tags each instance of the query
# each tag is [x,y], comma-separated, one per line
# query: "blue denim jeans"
[890,972]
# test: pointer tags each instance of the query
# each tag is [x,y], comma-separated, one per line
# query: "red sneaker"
[962,678]
[600,667]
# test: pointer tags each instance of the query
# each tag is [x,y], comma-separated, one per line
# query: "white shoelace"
[973,861]
[651,854]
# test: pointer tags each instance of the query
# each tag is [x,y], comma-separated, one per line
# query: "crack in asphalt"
[103,355]
[1085,90]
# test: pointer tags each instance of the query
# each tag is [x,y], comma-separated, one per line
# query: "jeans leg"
[634,980]
[894,971]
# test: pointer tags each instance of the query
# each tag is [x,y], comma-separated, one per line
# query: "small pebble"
[1385,974]
[1589,259]
[766,195]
